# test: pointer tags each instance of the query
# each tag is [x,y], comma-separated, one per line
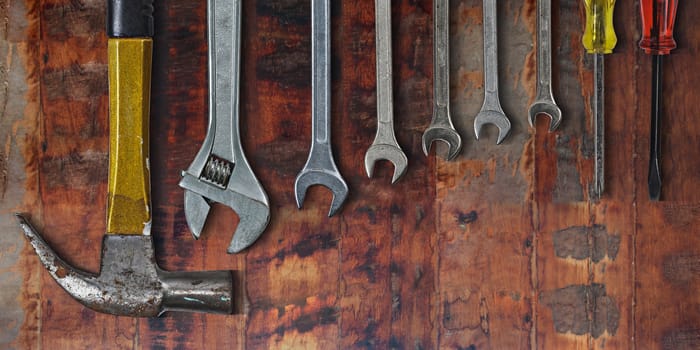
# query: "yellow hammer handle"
[129,196]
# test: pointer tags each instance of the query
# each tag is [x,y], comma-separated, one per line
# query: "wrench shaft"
[321,69]
[385,98]
[441,42]
[224,53]
[544,50]
[490,48]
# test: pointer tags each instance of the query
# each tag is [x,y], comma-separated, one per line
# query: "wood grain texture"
[502,248]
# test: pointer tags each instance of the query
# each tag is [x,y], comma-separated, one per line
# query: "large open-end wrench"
[385,145]
[441,127]
[491,111]
[320,168]
[220,171]
[544,102]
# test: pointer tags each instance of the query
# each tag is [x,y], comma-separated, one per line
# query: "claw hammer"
[130,283]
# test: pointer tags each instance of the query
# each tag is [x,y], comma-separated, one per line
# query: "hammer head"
[130,283]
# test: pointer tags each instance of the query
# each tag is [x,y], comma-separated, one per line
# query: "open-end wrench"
[320,168]
[544,102]
[491,111]
[385,145]
[220,171]
[441,128]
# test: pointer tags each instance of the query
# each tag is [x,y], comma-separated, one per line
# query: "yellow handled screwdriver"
[599,38]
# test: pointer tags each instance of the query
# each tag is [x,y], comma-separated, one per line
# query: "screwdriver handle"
[599,35]
[658,17]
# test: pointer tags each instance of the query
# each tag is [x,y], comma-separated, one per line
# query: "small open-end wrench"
[385,145]
[544,102]
[441,128]
[491,111]
[320,168]
[220,171]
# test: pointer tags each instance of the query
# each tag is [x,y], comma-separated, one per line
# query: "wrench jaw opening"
[496,118]
[254,215]
[386,152]
[329,179]
[442,129]
[447,135]
[548,108]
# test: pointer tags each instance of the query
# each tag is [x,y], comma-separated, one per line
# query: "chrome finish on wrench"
[385,145]
[441,127]
[491,111]
[544,102]
[320,168]
[220,171]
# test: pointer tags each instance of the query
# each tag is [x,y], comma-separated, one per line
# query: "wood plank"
[483,214]
[20,273]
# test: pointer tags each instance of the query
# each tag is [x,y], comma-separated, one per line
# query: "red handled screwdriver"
[658,17]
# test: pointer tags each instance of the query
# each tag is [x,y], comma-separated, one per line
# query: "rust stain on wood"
[583,309]
[583,242]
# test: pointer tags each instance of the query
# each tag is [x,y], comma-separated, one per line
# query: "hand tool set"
[131,283]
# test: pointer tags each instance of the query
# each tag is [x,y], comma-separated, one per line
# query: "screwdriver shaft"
[599,123]
[654,180]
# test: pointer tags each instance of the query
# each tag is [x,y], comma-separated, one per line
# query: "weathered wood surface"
[500,249]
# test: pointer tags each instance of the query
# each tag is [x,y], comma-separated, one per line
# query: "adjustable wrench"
[385,145]
[220,171]
[544,102]
[491,111]
[441,127]
[320,168]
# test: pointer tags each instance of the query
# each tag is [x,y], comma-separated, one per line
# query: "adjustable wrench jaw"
[243,194]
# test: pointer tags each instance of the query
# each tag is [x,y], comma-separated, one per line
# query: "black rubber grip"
[130,18]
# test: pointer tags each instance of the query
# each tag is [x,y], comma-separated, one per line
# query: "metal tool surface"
[491,111]
[320,168]
[385,145]
[544,101]
[130,283]
[220,172]
[441,127]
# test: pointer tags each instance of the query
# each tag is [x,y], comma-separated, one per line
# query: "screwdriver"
[599,38]
[658,17]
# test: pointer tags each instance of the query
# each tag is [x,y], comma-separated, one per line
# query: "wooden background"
[500,249]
